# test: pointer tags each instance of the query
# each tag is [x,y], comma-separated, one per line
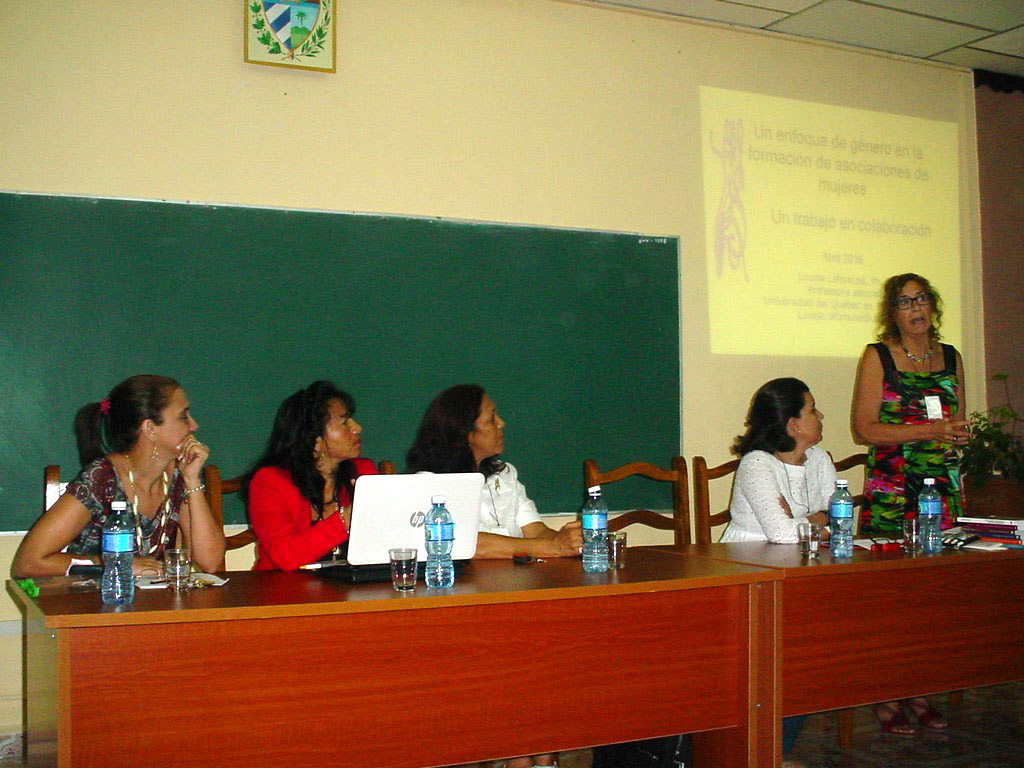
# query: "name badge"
[933,406]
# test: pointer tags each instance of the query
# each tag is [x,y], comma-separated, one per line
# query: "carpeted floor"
[988,732]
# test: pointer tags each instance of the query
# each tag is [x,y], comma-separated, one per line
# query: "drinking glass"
[178,569]
[616,549]
[403,568]
[911,535]
[810,539]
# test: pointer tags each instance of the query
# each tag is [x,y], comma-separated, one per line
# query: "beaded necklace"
[160,517]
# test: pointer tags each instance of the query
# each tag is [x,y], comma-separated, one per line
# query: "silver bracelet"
[200,487]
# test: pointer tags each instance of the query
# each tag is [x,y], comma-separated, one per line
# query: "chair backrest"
[860,501]
[679,523]
[52,486]
[854,460]
[215,490]
[704,521]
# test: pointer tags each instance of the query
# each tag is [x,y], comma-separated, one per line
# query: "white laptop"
[388,511]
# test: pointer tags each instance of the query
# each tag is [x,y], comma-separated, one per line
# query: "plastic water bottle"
[929,517]
[595,526]
[840,521]
[117,586]
[440,536]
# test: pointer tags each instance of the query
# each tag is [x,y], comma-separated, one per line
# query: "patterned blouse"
[97,486]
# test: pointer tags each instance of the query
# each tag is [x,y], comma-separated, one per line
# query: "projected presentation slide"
[809,208]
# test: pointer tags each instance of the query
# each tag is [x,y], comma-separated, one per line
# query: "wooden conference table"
[885,625]
[287,669]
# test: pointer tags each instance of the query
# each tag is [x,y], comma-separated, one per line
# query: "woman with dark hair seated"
[783,477]
[299,492]
[136,445]
[461,431]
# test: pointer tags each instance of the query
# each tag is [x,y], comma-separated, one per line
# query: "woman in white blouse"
[461,431]
[783,477]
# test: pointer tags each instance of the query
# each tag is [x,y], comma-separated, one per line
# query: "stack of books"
[1007,531]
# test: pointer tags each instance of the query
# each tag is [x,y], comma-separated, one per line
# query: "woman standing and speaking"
[906,407]
[907,404]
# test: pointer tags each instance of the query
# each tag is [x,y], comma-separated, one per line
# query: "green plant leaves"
[993,445]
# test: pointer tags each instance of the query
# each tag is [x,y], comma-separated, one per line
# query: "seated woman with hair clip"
[299,492]
[137,445]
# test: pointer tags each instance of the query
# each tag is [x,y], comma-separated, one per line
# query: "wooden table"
[886,625]
[287,669]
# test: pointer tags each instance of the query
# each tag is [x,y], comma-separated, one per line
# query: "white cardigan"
[761,479]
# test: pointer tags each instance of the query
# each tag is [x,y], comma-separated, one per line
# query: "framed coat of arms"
[290,33]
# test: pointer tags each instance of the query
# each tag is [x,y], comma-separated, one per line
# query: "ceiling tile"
[988,14]
[1011,42]
[975,59]
[872,27]
[712,10]
[789,6]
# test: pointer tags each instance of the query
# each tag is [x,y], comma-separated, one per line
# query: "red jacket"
[286,536]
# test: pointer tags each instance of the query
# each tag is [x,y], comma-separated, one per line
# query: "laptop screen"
[388,511]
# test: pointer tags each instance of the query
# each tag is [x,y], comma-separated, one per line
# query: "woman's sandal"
[927,715]
[892,719]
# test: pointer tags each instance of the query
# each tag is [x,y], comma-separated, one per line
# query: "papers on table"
[201,579]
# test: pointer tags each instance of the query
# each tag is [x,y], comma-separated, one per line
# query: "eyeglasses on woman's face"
[921,299]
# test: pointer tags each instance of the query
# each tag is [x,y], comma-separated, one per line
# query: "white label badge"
[933,406]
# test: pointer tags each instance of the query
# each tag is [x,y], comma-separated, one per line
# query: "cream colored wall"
[533,111]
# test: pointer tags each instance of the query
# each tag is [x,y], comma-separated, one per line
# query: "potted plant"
[992,462]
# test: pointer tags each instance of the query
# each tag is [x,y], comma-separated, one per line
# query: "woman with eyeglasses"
[907,407]
[299,492]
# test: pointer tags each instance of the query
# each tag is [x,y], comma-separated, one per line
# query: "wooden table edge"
[397,602]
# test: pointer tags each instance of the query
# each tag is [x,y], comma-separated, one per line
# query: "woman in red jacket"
[299,493]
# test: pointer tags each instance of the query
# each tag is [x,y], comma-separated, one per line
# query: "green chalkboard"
[575,334]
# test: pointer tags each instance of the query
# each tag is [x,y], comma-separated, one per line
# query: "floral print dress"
[96,487]
[896,473]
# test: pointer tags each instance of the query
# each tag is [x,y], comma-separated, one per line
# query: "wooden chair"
[855,460]
[52,486]
[679,523]
[216,488]
[704,521]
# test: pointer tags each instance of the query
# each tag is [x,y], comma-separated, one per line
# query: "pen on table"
[321,564]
